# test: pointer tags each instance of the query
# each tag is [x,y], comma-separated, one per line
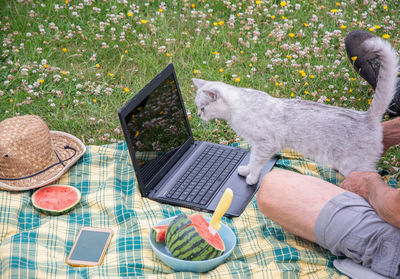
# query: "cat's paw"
[251,179]
[243,170]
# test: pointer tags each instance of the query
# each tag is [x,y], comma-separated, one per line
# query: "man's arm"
[383,198]
[391,133]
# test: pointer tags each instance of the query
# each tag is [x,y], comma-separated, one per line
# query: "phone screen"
[90,246]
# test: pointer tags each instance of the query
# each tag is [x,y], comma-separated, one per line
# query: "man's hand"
[383,198]
[360,182]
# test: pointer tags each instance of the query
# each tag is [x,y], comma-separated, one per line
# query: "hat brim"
[59,140]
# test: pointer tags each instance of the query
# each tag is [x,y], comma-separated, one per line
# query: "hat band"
[46,169]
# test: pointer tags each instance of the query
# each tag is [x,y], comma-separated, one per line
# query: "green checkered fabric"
[33,245]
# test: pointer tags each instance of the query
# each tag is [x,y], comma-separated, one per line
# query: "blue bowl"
[162,252]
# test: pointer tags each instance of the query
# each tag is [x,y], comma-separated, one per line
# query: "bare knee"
[266,196]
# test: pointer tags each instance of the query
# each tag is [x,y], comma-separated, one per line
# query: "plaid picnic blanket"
[33,245]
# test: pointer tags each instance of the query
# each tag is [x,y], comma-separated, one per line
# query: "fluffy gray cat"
[348,140]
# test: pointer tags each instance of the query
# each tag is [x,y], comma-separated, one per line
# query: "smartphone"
[90,247]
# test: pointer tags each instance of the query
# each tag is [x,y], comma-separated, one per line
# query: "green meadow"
[76,62]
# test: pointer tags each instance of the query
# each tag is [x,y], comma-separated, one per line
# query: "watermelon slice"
[56,199]
[188,238]
[159,233]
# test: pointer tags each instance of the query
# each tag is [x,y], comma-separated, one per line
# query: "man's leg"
[338,220]
[294,200]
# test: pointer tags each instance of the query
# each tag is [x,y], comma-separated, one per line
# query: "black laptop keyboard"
[201,181]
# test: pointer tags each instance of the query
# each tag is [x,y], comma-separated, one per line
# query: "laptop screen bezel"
[129,107]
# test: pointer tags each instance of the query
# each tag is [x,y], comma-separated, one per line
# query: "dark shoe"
[394,107]
[367,65]
[364,62]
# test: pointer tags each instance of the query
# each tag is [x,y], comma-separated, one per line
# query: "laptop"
[170,166]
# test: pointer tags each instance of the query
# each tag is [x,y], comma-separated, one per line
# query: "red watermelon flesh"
[56,199]
[159,233]
[202,227]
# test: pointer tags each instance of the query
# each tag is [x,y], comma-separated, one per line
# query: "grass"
[75,63]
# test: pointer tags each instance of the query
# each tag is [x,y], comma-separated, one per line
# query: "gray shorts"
[349,226]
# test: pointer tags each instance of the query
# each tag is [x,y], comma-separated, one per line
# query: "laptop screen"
[157,128]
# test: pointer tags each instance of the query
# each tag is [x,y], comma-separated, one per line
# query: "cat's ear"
[213,93]
[199,82]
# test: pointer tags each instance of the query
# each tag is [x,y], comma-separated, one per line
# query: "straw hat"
[31,155]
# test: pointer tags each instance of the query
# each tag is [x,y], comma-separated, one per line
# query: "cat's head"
[210,100]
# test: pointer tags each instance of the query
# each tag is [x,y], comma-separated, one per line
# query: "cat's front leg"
[252,171]
[243,170]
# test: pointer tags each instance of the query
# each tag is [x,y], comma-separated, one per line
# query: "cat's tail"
[387,76]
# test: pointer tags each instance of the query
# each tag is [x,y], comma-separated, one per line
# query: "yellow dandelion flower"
[64,49]
[195,72]
[386,36]
[143,21]
[11,100]
[160,10]
[220,23]
[334,10]
[369,101]
[276,83]
[45,66]
[371,29]
[306,84]
[221,70]
[358,99]
[328,100]
[305,24]
[137,134]
[237,79]
[312,76]
[284,17]
[291,35]
[215,23]
[258,2]
[66,2]
[288,56]
[337,4]
[193,6]
[238,15]
[41,81]
[126,90]
[385,8]
[343,27]
[64,73]
[129,14]
[350,90]
[292,95]
[94,101]
[377,27]
[352,79]
[354,58]
[111,74]
[306,92]
[97,65]
[283,4]
[167,54]
[215,52]
[273,17]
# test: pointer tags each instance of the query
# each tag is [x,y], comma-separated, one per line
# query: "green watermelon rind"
[197,250]
[178,223]
[55,212]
